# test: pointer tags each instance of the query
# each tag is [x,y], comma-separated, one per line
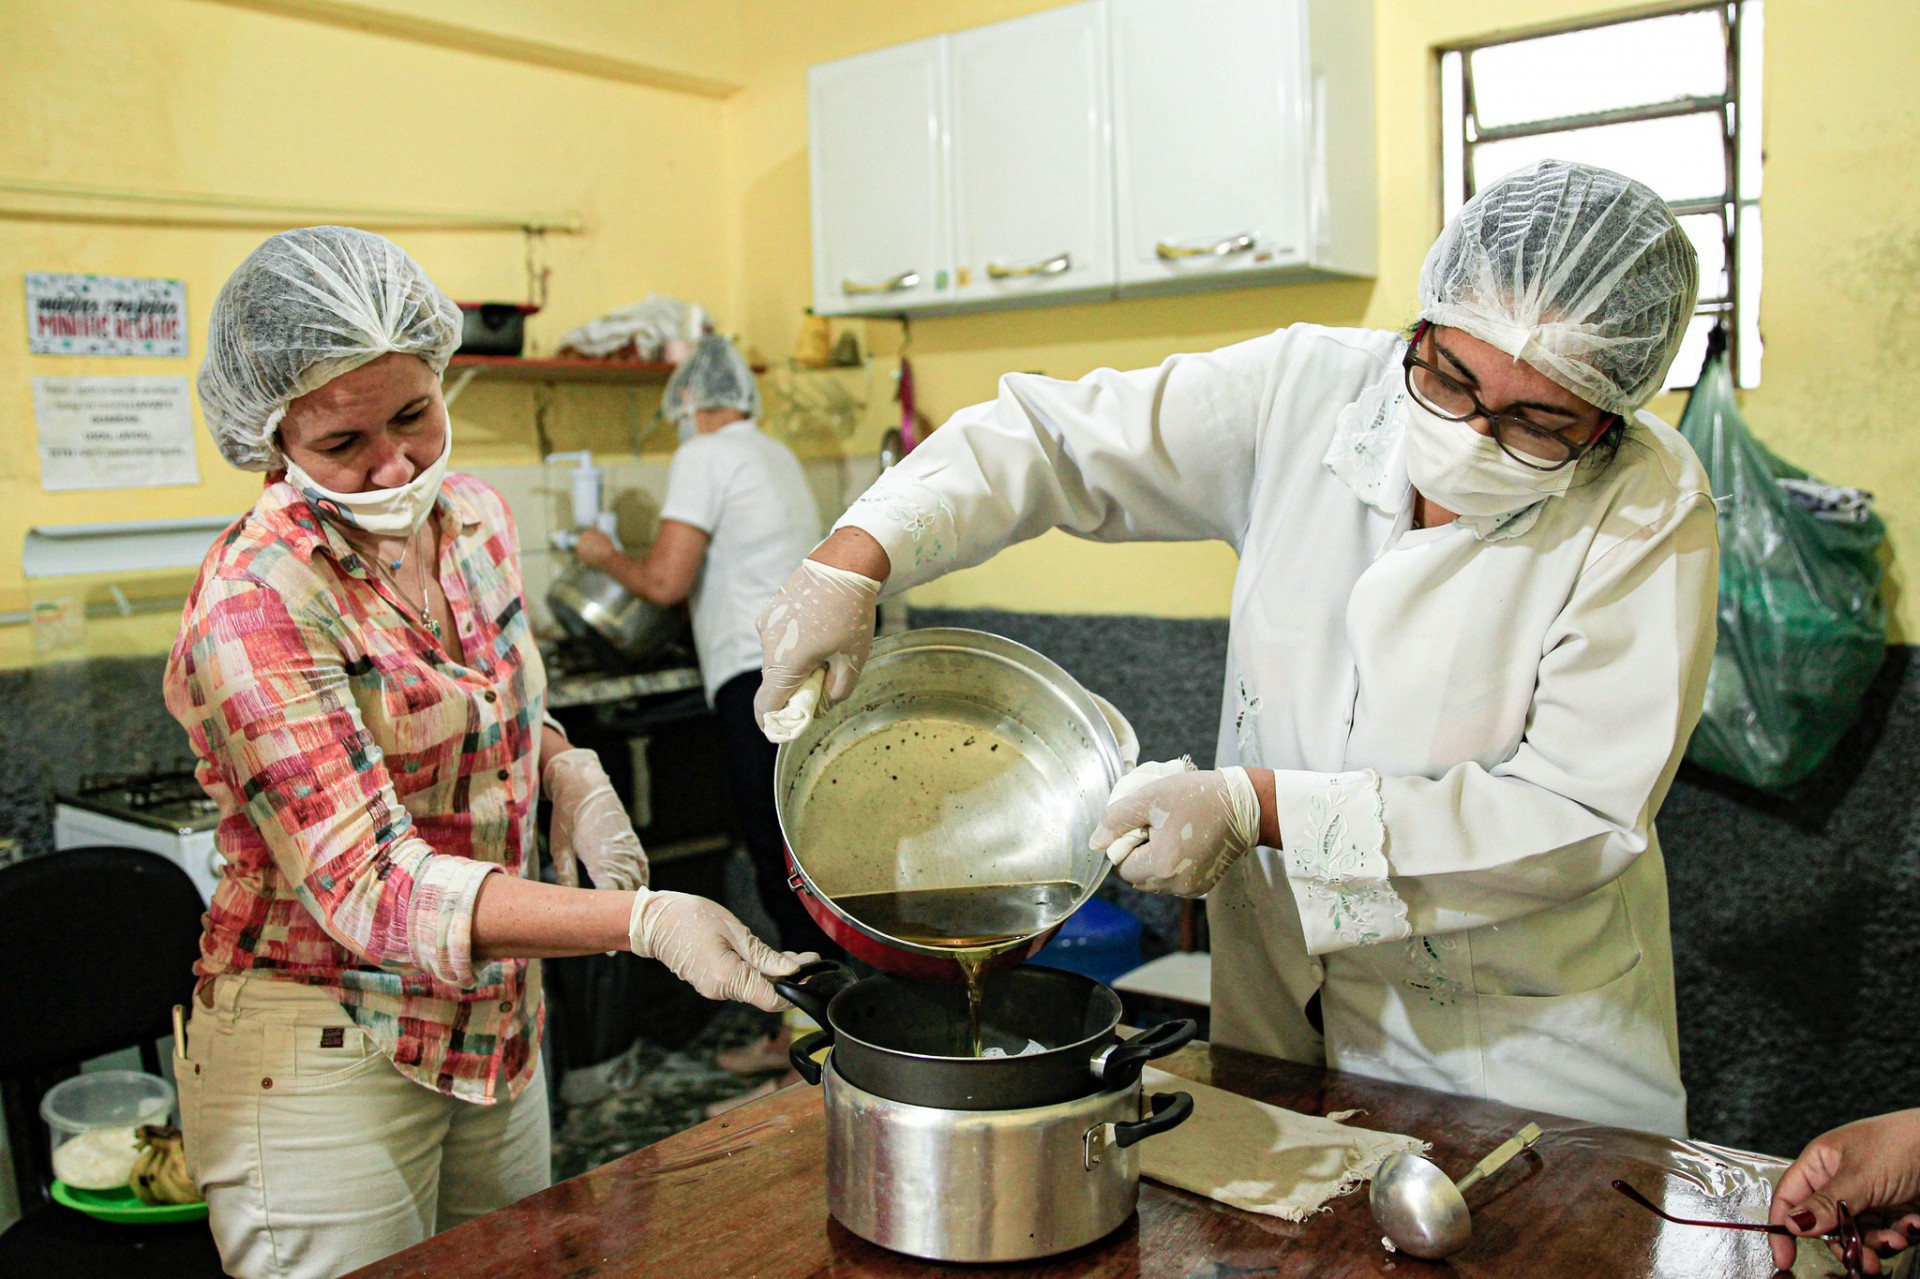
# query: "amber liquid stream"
[974,923]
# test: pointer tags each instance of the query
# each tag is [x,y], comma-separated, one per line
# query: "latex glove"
[821,617]
[709,949]
[1872,1164]
[1197,824]
[591,824]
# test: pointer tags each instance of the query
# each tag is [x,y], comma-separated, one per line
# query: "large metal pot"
[976,1158]
[910,1041]
[619,627]
[963,762]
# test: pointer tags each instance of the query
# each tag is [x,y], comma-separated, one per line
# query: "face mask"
[1465,471]
[684,423]
[385,512]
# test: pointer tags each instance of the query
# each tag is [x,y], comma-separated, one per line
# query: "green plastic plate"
[123,1205]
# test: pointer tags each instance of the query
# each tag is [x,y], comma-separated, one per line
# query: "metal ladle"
[1422,1211]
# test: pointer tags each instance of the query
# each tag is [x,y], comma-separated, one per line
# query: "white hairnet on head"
[305,307]
[1584,274]
[714,376]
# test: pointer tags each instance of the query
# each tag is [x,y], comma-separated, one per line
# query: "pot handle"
[1122,1063]
[802,1051]
[1169,1111]
[811,986]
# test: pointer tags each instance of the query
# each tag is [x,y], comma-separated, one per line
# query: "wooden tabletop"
[745,1195]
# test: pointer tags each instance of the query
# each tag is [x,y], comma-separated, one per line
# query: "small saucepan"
[908,1041]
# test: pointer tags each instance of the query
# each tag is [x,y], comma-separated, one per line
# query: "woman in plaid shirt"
[360,683]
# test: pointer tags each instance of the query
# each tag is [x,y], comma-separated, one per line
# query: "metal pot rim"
[1085,1045]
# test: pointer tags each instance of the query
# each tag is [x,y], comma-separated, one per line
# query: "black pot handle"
[1121,1064]
[802,1051]
[811,986]
[1169,1111]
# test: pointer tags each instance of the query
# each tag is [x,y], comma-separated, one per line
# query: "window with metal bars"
[1670,98]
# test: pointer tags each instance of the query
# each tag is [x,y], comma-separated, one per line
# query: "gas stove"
[165,800]
[162,811]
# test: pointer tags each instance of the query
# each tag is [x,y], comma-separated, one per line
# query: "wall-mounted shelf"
[463,369]
[519,368]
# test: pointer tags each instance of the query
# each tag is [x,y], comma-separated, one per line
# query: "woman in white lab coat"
[1470,634]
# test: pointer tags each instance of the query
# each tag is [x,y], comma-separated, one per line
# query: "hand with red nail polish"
[1871,1164]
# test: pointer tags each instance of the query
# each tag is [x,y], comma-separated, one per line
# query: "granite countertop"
[587,689]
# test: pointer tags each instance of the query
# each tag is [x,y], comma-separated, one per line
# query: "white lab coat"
[1471,726]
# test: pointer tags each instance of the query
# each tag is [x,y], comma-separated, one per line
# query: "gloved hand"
[1195,826]
[594,549]
[705,946]
[590,824]
[822,617]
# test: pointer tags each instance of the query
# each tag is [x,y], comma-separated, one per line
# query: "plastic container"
[107,1103]
[1100,940]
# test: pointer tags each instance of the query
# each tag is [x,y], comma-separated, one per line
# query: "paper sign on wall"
[114,432]
[105,315]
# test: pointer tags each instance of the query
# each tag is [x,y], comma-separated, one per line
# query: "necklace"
[390,569]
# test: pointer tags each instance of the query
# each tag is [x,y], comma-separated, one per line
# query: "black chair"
[97,946]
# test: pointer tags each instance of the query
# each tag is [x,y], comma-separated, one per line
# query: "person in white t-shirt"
[738,516]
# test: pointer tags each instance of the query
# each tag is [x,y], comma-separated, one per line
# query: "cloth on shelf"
[1260,1158]
[641,330]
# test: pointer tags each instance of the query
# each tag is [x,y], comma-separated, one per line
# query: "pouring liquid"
[975,923]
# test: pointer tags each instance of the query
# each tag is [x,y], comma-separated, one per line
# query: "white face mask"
[1467,472]
[384,512]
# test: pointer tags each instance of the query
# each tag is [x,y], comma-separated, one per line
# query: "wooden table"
[745,1195]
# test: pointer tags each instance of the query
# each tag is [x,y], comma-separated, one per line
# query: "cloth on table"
[1260,1158]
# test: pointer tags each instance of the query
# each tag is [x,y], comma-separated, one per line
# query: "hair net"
[714,376]
[305,307]
[1584,274]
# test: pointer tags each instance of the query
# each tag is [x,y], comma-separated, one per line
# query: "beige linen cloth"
[1250,1155]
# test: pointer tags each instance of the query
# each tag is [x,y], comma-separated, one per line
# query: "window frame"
[1737,206]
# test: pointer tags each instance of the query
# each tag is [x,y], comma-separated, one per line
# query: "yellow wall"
[1842,261]
[705,196]
[184,95]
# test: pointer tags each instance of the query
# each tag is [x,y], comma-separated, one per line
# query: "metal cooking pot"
[980,1158]
[908,1041]
[619,627]
[963,761]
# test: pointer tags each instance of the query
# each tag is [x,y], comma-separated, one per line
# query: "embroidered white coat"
[1472,726]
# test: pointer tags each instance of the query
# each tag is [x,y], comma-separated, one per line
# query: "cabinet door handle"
[1058,264]
[898,284]
[1218,249]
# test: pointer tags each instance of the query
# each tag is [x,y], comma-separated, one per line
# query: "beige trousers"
[316,1156]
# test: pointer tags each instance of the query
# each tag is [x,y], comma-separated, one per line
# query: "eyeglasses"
[1522,439]
[1852,1244]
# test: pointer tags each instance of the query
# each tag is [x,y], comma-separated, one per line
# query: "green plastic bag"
[1802,626]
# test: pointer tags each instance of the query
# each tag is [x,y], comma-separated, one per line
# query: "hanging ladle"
[1421,1209]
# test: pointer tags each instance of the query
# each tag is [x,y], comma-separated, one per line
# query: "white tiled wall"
[633,488]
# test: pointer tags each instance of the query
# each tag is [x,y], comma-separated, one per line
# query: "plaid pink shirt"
[368,781]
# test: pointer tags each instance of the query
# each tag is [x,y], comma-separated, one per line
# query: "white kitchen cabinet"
[1029,142]
[882,234]
[1243,140]
[1102,149]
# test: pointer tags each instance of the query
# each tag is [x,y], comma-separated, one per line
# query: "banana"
[160,1172]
